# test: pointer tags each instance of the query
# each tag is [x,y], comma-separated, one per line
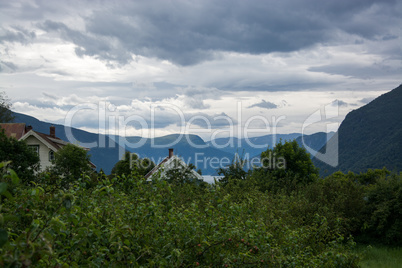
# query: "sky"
[211,68]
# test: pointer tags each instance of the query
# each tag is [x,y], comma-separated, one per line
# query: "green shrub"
[383,211]
[132,222]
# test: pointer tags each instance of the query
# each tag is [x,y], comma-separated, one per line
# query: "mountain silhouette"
[369,137]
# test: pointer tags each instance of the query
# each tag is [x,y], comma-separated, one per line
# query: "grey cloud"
[339,103]
[194,97]
[366,100]
[164,118]
[50,95]
[24,10]
[210,121]
[187,33]
[16,34]
[47,104]
[389,37]
[87,44]
[201,92]
[264,104]
[196,103]
[379,69]
[7,66]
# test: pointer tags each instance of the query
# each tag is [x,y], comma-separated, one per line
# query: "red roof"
[14,130]
[54,141]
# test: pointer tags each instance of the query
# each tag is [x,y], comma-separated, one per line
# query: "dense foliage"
[129,221]
[383,210]
[71,161]
[235,172]
[285,167]
[132,163]
[23,160]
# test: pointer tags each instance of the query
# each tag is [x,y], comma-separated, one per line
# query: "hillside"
[253,146]
[370,137]
[107,155]
[191,148]
[315,141]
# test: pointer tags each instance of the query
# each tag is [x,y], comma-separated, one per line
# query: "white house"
[45,145]
[169,163]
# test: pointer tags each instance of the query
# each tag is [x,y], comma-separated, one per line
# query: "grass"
[378,256]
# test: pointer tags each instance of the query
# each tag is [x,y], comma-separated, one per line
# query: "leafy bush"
[71,161]
[235,172]
[339,196]
[131,162]
[23,160]
[127,221]
[383,210]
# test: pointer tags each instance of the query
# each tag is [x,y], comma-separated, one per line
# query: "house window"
[51,155]
[34,148]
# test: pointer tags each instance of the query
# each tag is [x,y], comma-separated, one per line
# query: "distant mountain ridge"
[370,137]
[192,148]
[314,141]
[253,146]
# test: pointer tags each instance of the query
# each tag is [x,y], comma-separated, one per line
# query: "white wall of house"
[43,152]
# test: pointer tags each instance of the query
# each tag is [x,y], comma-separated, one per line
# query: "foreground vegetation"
[264,217]
[128,221]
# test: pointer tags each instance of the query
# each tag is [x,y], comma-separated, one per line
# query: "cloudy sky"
[213,68]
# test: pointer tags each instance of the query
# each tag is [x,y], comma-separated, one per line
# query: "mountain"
[105,150]
[191,148]
[108,149]
[369,137]
[252,146]
[314,142]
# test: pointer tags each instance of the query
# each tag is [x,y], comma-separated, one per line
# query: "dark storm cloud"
[87,44]
[187,32]
[264,104]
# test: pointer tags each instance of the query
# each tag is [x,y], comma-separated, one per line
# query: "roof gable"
[42,137]
[169,163]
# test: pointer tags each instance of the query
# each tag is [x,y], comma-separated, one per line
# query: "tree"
[131,162]
[284,167]
[24,161]
[122,166]
[234,172]
[6,115]
[181,174]
[71,161]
